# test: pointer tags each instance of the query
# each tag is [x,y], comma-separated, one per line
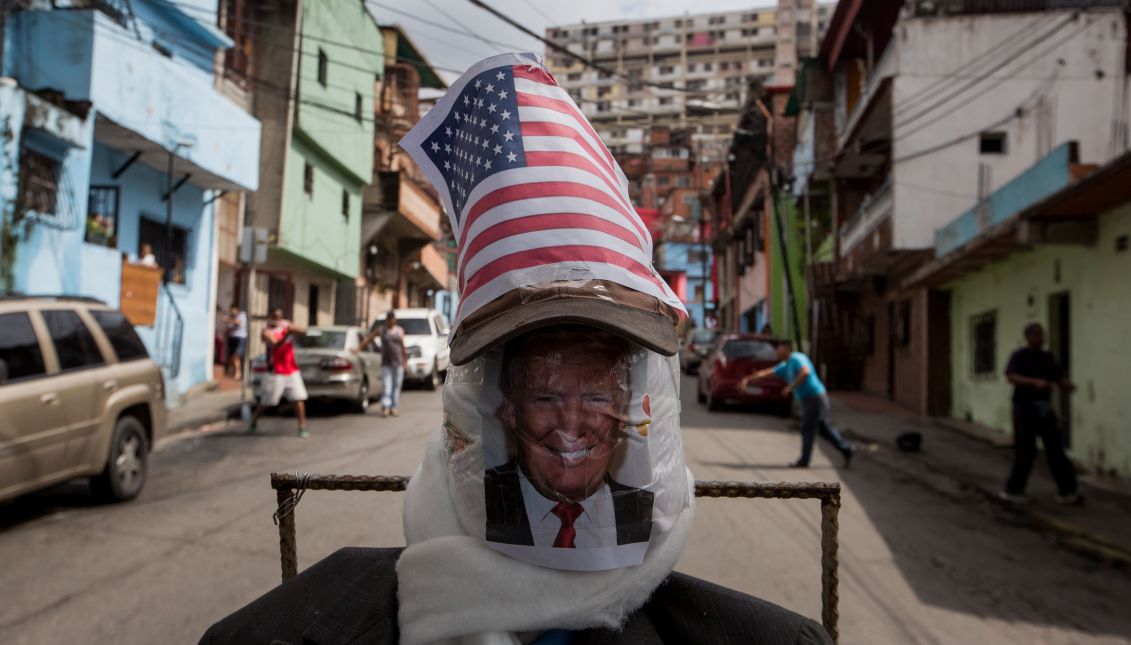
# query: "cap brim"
[651,330]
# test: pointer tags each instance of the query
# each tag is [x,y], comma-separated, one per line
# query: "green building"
[317,66]
[1061,259]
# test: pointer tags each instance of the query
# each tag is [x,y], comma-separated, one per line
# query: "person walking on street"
[283,377]
[237,340]
[1033,372]
[801,379]
[394,356]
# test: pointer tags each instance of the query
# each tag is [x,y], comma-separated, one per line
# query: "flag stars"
[447,131]
[483,123]
[508,135]
[506,115]
[491,108]
[466,101]
[484,144]
[512,157]
[498,148]
[447,165]
[500,76]
[490,88]
[503,94]
[478,83]
[487,165]
[495,128]
[435,147]
[447,149]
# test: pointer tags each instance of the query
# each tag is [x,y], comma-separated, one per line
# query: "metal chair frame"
[289,489]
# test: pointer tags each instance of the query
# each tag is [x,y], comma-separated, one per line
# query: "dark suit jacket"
[351,598]
[506,513]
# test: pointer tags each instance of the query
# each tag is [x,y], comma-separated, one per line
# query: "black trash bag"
[909,441]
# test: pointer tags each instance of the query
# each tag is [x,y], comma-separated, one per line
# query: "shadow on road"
[72,495]
[954,549]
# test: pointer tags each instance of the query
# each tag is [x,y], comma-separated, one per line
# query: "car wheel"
[713,404]
[127,464]
[433,381]
[361,405]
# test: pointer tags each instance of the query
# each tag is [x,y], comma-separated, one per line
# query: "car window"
[121,333]
[73,342]
[415,326]
[322,339]
[19,349]
[758,350]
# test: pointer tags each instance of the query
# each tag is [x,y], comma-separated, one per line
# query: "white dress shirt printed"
[596,526]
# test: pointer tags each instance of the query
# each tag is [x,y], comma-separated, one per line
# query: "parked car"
[80,397]
[696,346]
[426,340]
[733,357]
[330,370]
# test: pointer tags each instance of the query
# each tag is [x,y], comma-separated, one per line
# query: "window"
[983,341]
[239,19]
[666,100]
[323,63]
[573,77]
[280,294]
[175,260]
[707,67]
[20,357]
[684,182]
[662,180]
[992,143]
[357,106]
[696,256]
[102,216]
[666,69]
[699,293]
[121,333]
[602,106]
[39,181]
[345,203]
[73,343]
[308,179]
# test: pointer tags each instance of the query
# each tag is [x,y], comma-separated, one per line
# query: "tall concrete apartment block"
[707,60]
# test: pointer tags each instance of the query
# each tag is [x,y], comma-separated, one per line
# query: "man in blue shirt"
[801,379]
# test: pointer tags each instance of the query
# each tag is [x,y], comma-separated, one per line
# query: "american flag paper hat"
[545,230]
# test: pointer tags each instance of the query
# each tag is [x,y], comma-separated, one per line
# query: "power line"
[563,50]
[1040,39]
[540,12]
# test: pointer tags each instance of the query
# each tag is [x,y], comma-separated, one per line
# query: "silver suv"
[79,397]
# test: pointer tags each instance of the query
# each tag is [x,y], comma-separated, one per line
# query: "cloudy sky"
[441,27]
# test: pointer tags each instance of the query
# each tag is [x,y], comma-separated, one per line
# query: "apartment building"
[689,71]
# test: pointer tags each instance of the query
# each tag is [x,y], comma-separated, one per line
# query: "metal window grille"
[39,182]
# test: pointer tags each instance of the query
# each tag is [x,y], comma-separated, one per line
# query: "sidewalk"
[979,459]
[203,408]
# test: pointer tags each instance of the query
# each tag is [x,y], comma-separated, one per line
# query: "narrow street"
[918,565]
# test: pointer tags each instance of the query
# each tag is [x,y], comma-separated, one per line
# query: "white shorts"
[276,385]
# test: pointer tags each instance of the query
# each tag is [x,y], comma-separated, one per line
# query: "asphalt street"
[922,561]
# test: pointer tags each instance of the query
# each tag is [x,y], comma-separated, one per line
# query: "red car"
[733,357]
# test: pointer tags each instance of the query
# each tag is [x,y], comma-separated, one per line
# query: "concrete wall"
[1076,67]
[1018,289]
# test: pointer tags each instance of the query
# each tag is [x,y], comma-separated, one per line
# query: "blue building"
[687,268]
[108,110]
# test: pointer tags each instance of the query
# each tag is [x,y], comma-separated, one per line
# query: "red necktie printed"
[567,512]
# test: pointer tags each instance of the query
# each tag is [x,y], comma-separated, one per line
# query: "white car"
[426,340]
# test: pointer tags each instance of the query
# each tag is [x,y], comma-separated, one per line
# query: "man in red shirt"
[283,376]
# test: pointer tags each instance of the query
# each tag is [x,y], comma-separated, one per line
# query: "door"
[32,445]
[85,380]
[312,309]
[891,344]
[1060,345]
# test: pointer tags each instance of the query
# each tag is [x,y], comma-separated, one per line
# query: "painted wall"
[161,99]
[1077,67]
[781,318]
[1017,289]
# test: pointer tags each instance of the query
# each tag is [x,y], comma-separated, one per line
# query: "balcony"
[868,110]
[145,102]
[875,210]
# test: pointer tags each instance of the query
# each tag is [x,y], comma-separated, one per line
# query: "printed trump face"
[563,406]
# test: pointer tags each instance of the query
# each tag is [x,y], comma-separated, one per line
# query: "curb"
[1068,534]
[195,423]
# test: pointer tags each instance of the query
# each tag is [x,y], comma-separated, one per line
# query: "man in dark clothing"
[1033,372]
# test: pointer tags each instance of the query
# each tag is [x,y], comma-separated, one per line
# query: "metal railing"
[866,216]
[170,333]
[289,489]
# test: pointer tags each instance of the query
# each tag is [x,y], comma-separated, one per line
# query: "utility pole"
[780,226]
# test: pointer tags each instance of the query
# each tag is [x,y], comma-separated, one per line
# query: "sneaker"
[798,464]
[385,412]
[847,453]
[303,433]
[251,428]
[1069,500]
[1013,498]
[394,412]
